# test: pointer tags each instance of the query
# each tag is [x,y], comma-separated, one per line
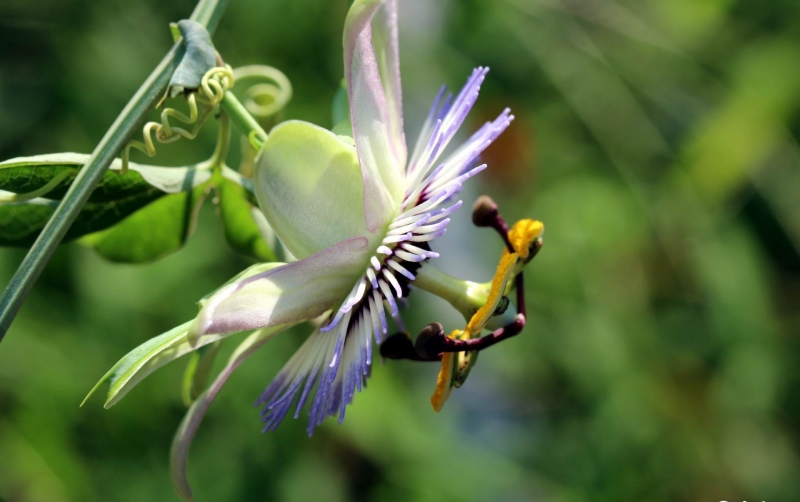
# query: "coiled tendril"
[215,83]
[268,96]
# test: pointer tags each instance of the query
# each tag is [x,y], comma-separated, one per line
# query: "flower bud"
[484,212]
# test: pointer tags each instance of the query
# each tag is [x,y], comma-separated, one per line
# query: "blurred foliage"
[657,140]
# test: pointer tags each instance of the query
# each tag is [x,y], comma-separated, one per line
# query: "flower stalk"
[465,296]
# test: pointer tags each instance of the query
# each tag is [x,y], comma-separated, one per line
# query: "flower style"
[357,215]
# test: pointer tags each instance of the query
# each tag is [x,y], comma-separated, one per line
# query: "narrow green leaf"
[238,220]
[245,182]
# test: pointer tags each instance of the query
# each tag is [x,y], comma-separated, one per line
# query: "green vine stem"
[223,141]
[207,13]
[243,120]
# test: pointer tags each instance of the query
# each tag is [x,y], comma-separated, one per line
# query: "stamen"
[505,269]
[522,235]
[443,382]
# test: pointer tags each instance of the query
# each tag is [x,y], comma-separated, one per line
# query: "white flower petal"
[384,39]
[374,131]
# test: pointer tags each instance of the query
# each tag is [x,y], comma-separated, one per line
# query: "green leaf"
[116,196]
[239,222]
[27,174]
[153,232]
[243,181]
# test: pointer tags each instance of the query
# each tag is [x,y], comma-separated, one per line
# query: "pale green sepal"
[147,358]
[162,349]
[248,272]
[294,292]
[179,454]
[308,184]
[123,375]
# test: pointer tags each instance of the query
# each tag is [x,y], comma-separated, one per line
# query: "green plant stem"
[466,296]
[243,120]
[223,141]
[207,13]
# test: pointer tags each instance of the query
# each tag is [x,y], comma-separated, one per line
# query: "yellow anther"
[522,235]
[505,269]
[444,382]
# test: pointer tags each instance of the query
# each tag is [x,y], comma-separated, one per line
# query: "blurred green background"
[657,140]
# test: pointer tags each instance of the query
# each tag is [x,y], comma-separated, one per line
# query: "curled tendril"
[268,92]
[267,95]
[215,83]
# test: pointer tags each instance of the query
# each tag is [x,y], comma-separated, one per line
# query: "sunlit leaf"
[153,232]
[116,197]
[238,220]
